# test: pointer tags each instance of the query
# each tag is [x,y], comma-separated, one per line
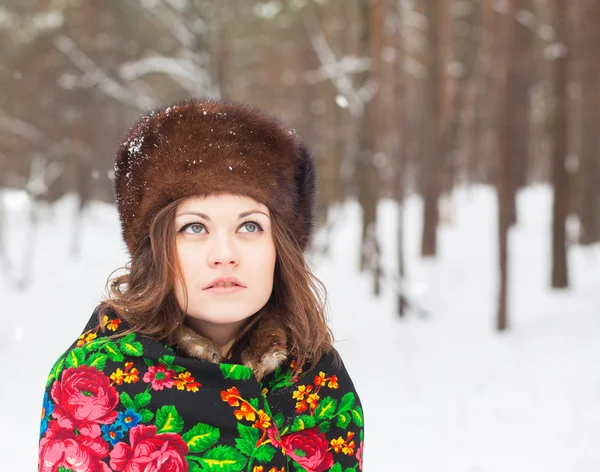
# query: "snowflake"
[135,145]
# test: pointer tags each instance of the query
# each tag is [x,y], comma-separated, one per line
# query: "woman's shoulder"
[330,362]
[318,413]
[106,321]
[98,330]
[328,377]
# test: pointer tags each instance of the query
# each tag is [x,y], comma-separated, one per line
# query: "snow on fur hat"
[203,146]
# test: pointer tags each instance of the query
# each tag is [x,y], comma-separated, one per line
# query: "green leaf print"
[278,418]
[147,415]
[326,409]
[130,347]
[97,360]
[298,467]
[167,360]
[336,467]
[56,370]
[236,372]
[357,416]
[280,378]
[280,383]
[126,400]
[325,426]
[95,345]
[168,420]
[201,437]
[352,469]
[249,436]
[266,407]
[303,422]
[142,399]
[343,420]
[128,338]
[148,362]
[193,466]
[114,353]
[223,459]
[169,348]
[347,402]
[254,403]
[264,453]
[75,357]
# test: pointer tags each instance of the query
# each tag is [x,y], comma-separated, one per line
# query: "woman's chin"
[220,317]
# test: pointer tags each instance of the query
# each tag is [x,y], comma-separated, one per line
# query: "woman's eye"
[252,227]
[195,228]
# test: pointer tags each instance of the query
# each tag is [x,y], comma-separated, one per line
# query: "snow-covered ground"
[441,393]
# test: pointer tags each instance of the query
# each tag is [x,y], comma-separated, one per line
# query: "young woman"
[212,352]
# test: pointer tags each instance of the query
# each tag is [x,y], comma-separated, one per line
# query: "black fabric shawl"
[134,404]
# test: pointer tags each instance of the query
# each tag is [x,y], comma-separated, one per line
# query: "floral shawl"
[133,404]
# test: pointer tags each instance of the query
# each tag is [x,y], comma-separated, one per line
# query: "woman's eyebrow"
[246,213]
[207,218]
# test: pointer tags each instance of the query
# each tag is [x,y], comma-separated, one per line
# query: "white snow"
[135,145]
[341,101]
[441,393]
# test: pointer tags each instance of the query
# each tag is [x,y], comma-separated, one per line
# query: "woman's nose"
[223,251]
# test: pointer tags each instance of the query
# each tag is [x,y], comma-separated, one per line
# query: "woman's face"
[223,236]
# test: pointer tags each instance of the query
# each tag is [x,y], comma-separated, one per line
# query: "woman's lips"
[225,289]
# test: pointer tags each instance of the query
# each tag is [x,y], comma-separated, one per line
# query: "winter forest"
[458,237]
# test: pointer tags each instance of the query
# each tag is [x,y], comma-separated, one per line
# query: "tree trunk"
[560,178]
[430,169]
[509,145]
[520,81]
[466,40]
[476,164]
[502,47]
[519,74]
[399,162]
[590,89]
[365,163]
[332,189]
[371,142]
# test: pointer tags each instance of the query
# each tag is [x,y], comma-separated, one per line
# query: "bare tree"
[466,41]
[370,140]
[430,177]
[560,132]
[401,146]
[503,22]
[519,76]
[589,65]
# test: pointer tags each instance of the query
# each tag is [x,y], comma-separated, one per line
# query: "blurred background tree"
[395,97]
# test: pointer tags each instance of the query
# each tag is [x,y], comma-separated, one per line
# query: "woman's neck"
[223,335]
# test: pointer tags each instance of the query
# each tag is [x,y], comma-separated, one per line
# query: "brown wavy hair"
[144,297]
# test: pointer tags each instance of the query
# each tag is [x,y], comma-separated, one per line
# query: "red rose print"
[63,448]
[149,451]
[309,449]
[84,395]
[159,377]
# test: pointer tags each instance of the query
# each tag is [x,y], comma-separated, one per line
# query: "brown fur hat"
[203,146]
